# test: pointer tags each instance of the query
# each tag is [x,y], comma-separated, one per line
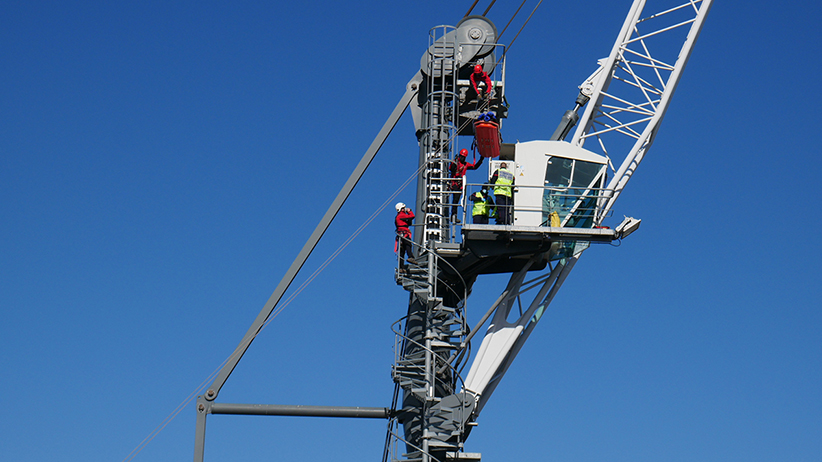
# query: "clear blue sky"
[162,163]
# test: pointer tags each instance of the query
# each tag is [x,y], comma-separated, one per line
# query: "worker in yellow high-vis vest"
[483,207]
[503,182]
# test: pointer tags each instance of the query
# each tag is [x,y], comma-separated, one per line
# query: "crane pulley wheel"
[478,36]
[475,34]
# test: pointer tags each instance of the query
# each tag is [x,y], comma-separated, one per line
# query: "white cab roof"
[559,149]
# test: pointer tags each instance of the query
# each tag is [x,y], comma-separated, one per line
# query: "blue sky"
[162,164]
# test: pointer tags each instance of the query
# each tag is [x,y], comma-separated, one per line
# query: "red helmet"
[463,153]
[477,69]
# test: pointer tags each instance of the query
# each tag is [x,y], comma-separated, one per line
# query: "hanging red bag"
[487,136]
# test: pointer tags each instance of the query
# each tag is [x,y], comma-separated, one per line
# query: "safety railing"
[557,206]
[443,369]
[401,342]
[429,261]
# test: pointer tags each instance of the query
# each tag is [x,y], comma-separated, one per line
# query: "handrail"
[463,317]
[399,438]
[452,361]
[423,347]
[441,259]
[456,373]
[561,192]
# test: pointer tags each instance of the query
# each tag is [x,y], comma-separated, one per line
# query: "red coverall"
[457,170]
[403,222]
[482,77]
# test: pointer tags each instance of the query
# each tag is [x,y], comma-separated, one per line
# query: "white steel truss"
[631,90]
[629,95]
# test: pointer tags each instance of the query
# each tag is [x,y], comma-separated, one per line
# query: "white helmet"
[399,206]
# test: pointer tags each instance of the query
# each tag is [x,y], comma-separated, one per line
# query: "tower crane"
[562,194]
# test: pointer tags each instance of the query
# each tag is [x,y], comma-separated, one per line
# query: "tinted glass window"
[558,172]
[560,198]
[584,173]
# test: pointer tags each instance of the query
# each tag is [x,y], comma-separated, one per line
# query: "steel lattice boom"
[633,86]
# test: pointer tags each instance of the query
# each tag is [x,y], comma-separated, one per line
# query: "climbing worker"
[457,171]
[403,220]
[503,180]
[483,206]
[480,76]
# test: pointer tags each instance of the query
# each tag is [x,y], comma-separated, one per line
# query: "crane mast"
[434,331]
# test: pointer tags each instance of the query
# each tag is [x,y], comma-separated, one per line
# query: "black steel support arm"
[306,411]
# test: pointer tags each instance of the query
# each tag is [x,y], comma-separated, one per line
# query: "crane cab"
[555,179]
[557,192]
[558,189]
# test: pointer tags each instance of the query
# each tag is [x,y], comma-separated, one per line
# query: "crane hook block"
[487,136]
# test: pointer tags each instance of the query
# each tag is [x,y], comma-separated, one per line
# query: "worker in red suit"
[403,220]
[480,76]
[457,170]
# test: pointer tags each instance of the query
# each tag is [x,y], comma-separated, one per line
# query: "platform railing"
[575,206]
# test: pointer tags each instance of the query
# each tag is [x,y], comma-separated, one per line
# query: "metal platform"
[472,232]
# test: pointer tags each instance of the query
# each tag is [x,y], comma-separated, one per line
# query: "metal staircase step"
[441,444]
[463,456]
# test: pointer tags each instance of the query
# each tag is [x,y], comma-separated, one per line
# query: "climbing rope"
[279,309]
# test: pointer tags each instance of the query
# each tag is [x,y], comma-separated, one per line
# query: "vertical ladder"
[438,139]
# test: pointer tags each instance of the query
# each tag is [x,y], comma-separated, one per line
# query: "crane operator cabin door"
[556,177]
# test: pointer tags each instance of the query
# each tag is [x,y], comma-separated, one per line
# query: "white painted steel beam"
[630,110]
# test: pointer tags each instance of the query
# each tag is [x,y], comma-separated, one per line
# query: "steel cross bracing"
[632,88]
[629,94]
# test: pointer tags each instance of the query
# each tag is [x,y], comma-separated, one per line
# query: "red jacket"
[457,170]
[402,221]
[484,78]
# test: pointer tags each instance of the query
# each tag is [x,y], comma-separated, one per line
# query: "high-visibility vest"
[504,181]
[480,206]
